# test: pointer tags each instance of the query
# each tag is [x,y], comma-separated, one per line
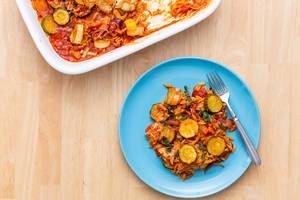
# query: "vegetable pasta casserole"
[82,29]
[189,130]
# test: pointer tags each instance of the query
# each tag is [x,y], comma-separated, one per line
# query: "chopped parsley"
[206,116]
[187,93]
[165,141]
[201,146]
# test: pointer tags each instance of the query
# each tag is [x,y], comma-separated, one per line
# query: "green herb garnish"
[183,117]
[187,93]
[169,149]
[206,116]
[201,146]
[221,126]
[200,112]
[203,156]
[176,154]
[170,111]
[165,141]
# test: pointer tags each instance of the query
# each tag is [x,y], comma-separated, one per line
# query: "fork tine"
[221,82]
[209,81]
[217,82]
[212,83]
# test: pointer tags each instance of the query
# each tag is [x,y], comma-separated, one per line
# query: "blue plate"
[134,118]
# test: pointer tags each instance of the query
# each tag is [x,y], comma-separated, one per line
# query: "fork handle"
[250,147]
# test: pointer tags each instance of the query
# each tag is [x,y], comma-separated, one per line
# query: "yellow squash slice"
[49,25]
[159,112]
[168,133]
[213,103]
[188,128]
[61,16]
[216,146]
[187,154]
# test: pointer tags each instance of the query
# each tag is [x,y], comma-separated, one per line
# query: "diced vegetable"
[104,6]
[61,16]
[41,6]
[130,25]
[132,28]
[168,133]
[138,31]
[77,34]
[213,103]
[216,146]
[127,6]
[172,122]
[101,44]
[187,154]
[159,112]
[48,24]
[188,128]
[174,96]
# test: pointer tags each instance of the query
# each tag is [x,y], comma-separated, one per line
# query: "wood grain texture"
[59,136]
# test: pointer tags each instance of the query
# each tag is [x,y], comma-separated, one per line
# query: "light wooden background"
[58,133]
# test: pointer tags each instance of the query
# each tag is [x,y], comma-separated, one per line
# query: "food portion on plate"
[82,29]
[189,130]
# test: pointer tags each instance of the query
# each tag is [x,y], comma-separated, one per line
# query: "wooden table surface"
[59,136]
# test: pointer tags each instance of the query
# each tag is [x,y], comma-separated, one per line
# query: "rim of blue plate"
[161,190]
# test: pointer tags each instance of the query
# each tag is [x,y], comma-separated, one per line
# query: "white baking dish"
[44,46]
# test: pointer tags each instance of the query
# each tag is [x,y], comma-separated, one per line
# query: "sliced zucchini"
[213,103]
[187,154]
[174,96]
[48,24]
[168,133]
[159,112]
[77,34]
[61,16]
[101,44]
[188,128]
[216,146]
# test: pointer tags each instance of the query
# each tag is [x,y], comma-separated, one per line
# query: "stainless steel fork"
[221,90]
